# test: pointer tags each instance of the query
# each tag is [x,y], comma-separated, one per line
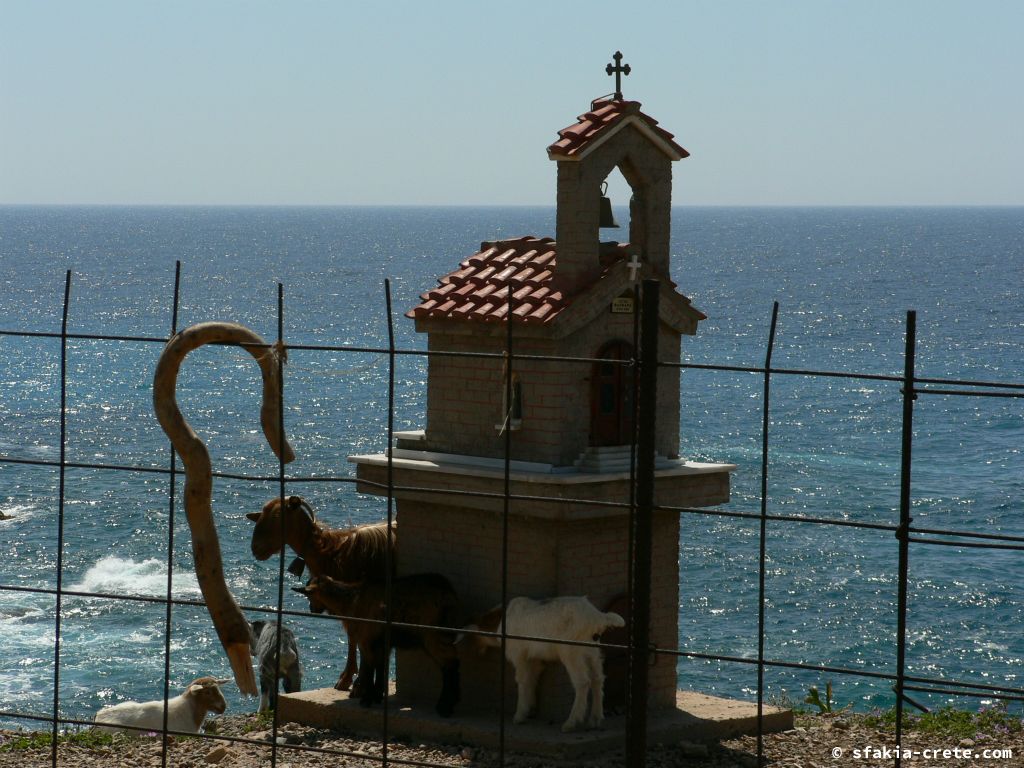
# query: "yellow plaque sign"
[622,306]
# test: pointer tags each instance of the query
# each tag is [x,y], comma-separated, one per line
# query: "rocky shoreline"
[816,742]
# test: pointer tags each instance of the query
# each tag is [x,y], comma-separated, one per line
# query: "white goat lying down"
[264,648]
[558,618]
[184,713]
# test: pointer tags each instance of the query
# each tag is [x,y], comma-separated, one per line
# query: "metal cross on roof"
[634,267]
[618,70]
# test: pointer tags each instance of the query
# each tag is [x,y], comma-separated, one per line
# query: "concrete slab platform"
[697,717]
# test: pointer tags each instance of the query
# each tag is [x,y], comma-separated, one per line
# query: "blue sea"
[844,279]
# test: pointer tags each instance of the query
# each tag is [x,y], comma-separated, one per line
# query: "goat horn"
[309,509]
[232,628]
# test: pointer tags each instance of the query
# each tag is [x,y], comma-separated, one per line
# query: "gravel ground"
[814,743]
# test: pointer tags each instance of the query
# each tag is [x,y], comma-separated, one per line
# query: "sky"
[225,102]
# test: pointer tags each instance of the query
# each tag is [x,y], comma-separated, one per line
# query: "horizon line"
[549,206]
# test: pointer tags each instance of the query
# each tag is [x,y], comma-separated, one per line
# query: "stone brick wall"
[648,172]
[465,395]
[545,558]
[661,677]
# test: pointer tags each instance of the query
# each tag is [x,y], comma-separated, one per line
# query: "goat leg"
[379,684]
[367,671]
[344,680]
[579,674]
[450,689]
[596,690]
[527,672]
[440,646]
[351,663]
[293,679]
[264,699]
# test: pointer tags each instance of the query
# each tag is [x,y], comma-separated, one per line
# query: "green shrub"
[43,739]
[951,723]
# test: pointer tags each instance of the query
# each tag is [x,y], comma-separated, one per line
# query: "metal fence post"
[389,570]
[60,510]
[506,508]
[762,562]
[279,618]
[172,480]
[903,531]
[640,609]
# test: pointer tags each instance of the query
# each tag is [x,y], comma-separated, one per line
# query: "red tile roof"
[600,122]
[478,289]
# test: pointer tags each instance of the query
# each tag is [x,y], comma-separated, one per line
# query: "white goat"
[184,713]
[557,618]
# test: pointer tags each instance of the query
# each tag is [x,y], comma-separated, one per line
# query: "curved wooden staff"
[230,623]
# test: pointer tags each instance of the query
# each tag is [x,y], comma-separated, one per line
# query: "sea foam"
[127,577]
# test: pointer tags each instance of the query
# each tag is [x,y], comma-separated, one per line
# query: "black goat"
[426,599]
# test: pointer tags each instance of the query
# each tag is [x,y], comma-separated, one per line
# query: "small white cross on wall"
[634,267]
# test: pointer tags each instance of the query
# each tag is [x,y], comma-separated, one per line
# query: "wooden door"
[611,396]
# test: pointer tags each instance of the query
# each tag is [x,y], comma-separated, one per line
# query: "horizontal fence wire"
[1012,540]
[563,500]
[780,663]
[911,386]
[715,367]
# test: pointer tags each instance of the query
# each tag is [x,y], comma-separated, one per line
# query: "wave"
[10,513]
[127,577]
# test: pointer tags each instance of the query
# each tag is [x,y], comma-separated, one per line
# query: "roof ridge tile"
[604,113]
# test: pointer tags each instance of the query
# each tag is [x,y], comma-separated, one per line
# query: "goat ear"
[223,680]
[301,590]
[194,689]
[254,516]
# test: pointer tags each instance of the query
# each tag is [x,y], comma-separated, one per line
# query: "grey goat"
[264,647]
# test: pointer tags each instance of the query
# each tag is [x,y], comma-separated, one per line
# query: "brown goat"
[425,599]
[348,554]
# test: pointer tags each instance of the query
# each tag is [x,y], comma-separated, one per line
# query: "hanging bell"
[607,219]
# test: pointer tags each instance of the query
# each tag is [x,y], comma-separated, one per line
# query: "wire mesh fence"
[640,505]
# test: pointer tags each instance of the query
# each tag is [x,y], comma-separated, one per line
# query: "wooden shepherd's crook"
[232,628]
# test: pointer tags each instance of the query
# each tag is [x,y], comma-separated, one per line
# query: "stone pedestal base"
[696,717]
[569,537]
